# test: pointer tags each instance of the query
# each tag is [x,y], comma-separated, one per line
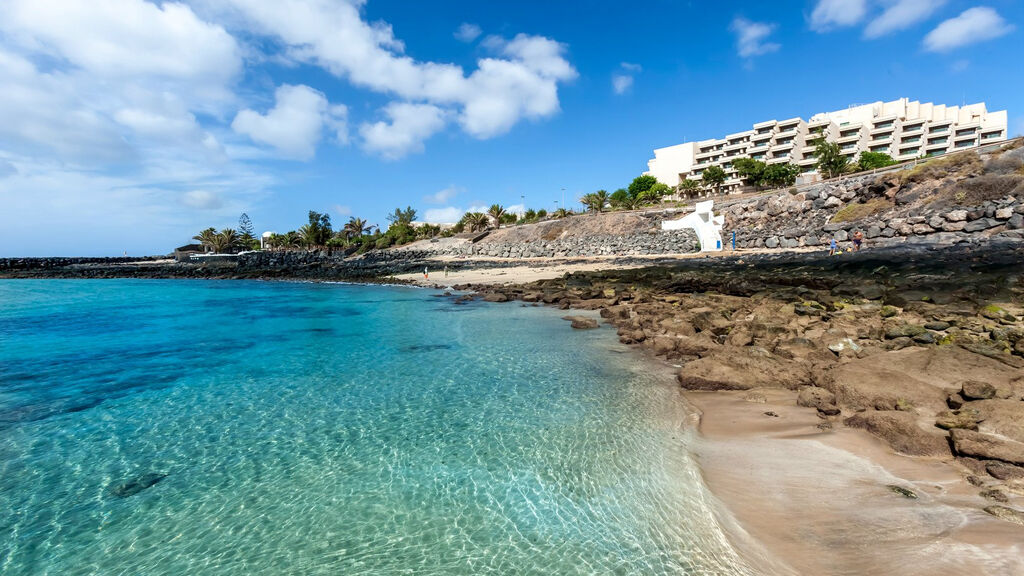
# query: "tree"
[687,187]
[595,201]
[245,225]
[529,215]
[872,160]
[400,216]
[495,212]
[225,241]
[641,184]
[620,199]
[206,238]
[831,162]
[750,171]
[542,214]
[318,231]
[354,228]
[713,177]
[779,175]
[474,221]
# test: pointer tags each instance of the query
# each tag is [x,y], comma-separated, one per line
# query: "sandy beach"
[814,498]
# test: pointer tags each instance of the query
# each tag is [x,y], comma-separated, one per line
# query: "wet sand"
[819,500]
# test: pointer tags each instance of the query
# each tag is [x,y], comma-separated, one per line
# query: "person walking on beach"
[425,274]
[832,246]
[858,238]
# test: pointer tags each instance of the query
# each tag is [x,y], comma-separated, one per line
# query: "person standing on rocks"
[832,246]
[858,239]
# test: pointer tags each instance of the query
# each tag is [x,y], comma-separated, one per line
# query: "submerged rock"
[905,492]
[136,485]
[581,322]
[1006,513]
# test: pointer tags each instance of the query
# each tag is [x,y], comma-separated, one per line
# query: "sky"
[127,126]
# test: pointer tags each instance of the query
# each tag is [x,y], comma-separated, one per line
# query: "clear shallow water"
[332,429]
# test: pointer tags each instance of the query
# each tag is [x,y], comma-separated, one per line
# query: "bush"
[856,211]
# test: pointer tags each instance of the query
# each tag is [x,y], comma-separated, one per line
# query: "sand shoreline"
[828,489]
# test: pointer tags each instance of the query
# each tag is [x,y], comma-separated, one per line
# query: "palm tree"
[226,240]
[291,240]
[496,211]
[595,201]
[561,213]
[206,238]
[354,228]
[474,221]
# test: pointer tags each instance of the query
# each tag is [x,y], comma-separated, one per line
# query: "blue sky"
[128,125]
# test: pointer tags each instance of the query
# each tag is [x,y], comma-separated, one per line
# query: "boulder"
[966,418]
[729,368]
[819,398]
[901,432]
[1004,471]
[986,446]
[495,297]
[974,390]
[1004,213]
[956,216]
[581,322]
[980,224]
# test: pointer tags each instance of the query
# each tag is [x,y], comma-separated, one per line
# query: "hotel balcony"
[909,152]
[760,137]
[881,139]
[992,136]
[806,161]
[940,128]
[786,133]
[936,144]
[778,159]
[885,126]
[782,146]
[737,146]
[913,129]
[848,137]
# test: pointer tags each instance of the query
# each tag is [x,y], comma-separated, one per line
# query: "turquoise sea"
[153,427]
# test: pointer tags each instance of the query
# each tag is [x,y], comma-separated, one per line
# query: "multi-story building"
[902,129]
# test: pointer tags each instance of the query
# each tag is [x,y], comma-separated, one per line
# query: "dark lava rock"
[905,492]
[937,326]
[136,485]
[495,297]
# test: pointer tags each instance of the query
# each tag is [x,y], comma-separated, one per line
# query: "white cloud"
[971,26]
[202,199]
[621,83]
[343,211]
[295,124]
[467,32]
[522,83]
[408,127]
[830,14]
[128,39]
[442,196]
[751,37]
[622,80]
[446,215]
[7,169]
[901,14]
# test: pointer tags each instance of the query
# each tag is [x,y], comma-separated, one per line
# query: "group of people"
[858,240]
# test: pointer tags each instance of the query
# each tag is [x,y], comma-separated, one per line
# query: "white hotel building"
[901,128]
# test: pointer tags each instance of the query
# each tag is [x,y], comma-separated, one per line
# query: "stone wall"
[641,243]
[805,218]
